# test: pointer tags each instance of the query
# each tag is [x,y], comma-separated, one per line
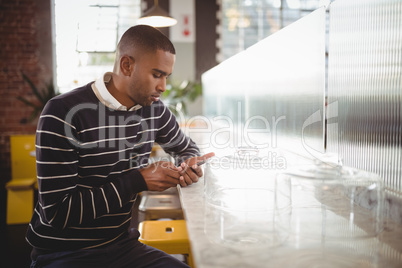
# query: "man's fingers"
[202,159]
[182,182]
[191,174]
[187,179]
[199,160]
[171,173]
[197,170]
[162,175]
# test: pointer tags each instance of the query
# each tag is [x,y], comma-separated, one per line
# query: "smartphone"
[201,162]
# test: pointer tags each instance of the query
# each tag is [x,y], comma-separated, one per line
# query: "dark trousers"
[128,252]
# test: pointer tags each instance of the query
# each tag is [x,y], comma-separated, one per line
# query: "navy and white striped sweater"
[88,160]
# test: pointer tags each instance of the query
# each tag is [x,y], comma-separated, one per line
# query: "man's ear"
[126,65]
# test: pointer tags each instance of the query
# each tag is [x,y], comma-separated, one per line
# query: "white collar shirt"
[104,96]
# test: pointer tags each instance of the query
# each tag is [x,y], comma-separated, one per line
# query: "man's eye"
[157,75]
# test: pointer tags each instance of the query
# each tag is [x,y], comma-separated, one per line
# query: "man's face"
[148,79]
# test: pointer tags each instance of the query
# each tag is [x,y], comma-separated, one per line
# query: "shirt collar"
[104,96]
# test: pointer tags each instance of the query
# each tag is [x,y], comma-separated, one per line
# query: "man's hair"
[145,38]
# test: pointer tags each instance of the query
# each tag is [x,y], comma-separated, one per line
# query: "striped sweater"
[88,160]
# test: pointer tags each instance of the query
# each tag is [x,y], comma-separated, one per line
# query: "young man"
[92,150]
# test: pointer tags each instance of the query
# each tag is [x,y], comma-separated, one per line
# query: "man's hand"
[160,176]
[190,172]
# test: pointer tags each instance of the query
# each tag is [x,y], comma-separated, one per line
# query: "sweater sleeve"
[64,201]
[172,139]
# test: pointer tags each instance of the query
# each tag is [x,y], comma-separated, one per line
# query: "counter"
[212,234]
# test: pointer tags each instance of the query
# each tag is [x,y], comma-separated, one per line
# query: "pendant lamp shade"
[157,17]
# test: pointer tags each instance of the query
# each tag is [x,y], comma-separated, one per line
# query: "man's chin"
[148,103]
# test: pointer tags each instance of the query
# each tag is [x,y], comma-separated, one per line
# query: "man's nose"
[161,87]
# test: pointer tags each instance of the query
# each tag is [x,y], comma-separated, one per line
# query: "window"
[86,35]
[245,22]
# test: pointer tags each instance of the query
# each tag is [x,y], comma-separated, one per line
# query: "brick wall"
[25,45]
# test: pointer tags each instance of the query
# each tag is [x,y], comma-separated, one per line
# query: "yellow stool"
[21,188]
[20,200]
[168,236]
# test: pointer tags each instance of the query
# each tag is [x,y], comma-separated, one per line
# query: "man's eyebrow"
[161,72]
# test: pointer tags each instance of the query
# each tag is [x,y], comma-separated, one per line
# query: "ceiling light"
[157,17]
